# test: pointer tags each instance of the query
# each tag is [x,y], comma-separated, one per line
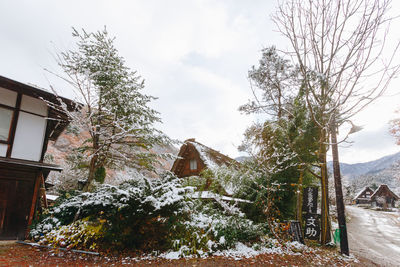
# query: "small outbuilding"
[364,196]
[29,118]
[194,157]
[384,197]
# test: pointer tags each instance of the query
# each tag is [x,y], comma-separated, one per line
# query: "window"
[5,122]
[193,164]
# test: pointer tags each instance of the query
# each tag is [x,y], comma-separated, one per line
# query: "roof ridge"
[193,140]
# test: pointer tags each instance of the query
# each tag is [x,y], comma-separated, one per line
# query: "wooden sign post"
[310,197]
[312,229]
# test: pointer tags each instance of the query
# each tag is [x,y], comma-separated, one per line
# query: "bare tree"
[343,53]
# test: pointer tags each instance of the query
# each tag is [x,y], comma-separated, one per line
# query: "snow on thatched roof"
[381,188]
[208,159]
[362,191]
[209,156]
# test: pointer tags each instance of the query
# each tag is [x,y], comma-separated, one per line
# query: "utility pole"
[344,245]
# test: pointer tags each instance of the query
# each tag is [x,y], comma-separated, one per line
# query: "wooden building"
[194,157]
[29,117]
[364,196]
[384,197]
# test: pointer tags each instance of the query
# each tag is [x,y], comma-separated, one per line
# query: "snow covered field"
[374,235]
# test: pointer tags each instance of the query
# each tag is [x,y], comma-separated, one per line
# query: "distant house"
[194,157]
[384,197]
[364,196]
[29,117]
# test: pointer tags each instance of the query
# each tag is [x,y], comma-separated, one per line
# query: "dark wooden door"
[15,203]
[4,189]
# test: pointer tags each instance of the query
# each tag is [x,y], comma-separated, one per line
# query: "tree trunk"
[344,246]
[93,161]
[325,224]
[92,170]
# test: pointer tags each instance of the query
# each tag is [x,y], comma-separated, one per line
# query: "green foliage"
[115,111]
[237,229]
[73,129]
[136,214]
[209,180]
[100,174]
[284,144]
[82,234]
[145,215]
[213,228]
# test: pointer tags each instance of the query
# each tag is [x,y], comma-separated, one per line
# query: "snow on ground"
[375,235]
[240,251]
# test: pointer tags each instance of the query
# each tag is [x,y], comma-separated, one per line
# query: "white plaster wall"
[29,136]
[8,97]
[3,150]
[33,105]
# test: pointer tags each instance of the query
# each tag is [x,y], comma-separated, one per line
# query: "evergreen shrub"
[146,215]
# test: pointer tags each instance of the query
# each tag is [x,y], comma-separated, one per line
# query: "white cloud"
[194,56]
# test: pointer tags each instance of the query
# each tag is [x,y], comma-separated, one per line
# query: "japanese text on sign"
[312,228]
[310,197]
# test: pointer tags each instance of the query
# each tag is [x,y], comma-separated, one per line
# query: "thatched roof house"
[194,157]
[384,197]
[364,196]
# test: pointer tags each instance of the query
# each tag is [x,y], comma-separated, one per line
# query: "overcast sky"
[193,55]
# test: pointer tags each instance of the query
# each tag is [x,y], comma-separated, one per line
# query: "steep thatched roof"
[381,190]
[359,194]
[210,157]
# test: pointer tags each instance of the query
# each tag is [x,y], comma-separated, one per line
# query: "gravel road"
[374,235]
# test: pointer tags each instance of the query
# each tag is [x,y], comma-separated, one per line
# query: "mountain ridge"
[350,171]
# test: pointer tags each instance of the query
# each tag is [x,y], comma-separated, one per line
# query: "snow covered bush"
[147,215]
[211,227]
[223,180]
[137,214]
[82,233]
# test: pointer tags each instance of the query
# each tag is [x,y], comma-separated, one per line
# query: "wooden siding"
[22,170]
[365,196]
[16,192]
[205,158]
[182,168]
[60,119]
[384,193]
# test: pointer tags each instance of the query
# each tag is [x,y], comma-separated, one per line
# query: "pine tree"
[115,111]
[285,144]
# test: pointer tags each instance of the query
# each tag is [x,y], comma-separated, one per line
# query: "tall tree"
[284,145]
[342,52]
[115,112]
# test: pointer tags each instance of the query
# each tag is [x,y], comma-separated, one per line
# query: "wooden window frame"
[13,127]
[194,161]
[7,142]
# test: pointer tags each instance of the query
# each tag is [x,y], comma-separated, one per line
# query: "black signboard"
[312,228]
[310,197]
[295,231]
